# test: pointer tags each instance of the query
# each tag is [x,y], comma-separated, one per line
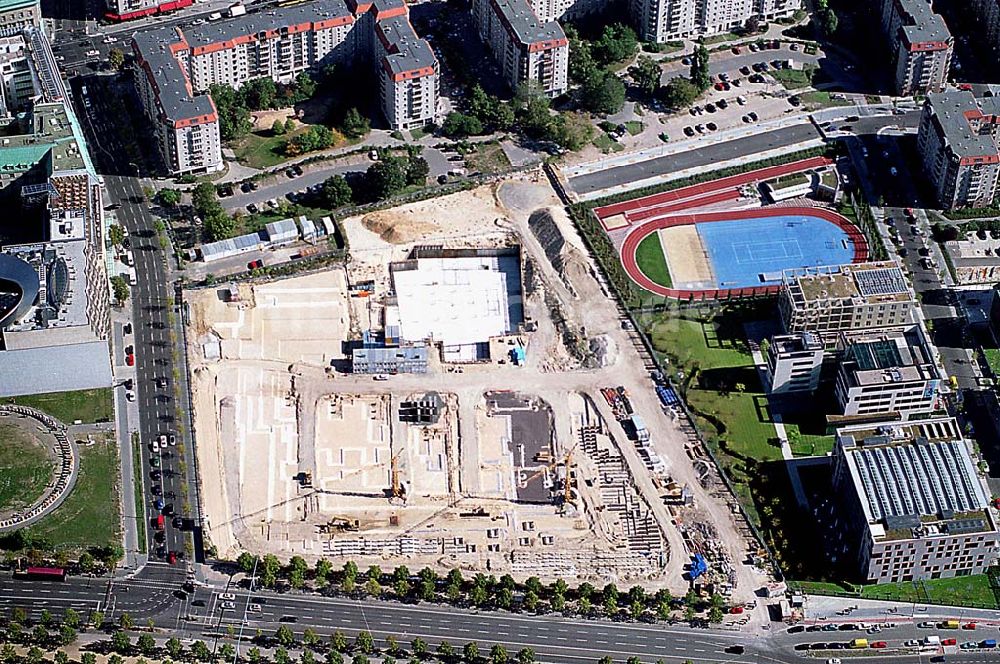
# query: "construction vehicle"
[698,566]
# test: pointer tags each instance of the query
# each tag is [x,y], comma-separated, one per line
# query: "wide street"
[155,594]
[158,384]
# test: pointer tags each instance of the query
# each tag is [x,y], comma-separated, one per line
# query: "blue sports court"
[754,251]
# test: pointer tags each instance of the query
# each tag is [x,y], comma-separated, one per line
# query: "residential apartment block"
[177,66]
[959,144]
[666,20]
[920,45]
[914,505]
[794,362]
[888,376]
[528,49]
[858,297]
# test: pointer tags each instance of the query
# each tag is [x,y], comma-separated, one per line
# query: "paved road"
[157,384]
[705,156]
[154,593]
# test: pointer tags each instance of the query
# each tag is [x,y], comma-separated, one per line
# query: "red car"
[736,610]
[130,360]
[949,642]
[737,50]
[255,265]
[969,626]
[171,557]
[879,644]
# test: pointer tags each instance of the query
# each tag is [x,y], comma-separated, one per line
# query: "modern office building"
[913,505]
[666,20]
[17,15]
[528,50]
[920,46]
[959,144]
[55,326]
[794,362]
[858,297]
[177,66]
[888,376]
[127,10]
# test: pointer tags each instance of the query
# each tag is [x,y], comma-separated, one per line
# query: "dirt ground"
[300,457]
[265,119]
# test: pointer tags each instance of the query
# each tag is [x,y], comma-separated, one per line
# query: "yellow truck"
[859,643]
[949,624]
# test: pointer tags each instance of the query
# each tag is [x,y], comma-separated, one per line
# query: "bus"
[45,573]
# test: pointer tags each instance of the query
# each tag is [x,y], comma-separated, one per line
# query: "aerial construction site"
[461,394]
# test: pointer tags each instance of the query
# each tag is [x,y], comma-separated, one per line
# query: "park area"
[25,467]
[979,590]
[89,516]
[87,406]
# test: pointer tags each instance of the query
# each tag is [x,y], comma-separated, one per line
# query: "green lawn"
[724,388]
[718,39]
[959,591]
[633,127]
[607,144]
[488,158]
[793,79]
[649,256]
[993,359]
[85,405]
[821,99]
[140,503]
[25,469]
[89,516]
[807,444]
[262,149]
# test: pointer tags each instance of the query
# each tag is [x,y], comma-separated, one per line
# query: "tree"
[119,288]
[200,651]
[309,638]
[269,575]
[605,660]
[364,642]
[533,113]
[679,93]
[146,644]
[525,656]
[8,654]
[646,74]
[234,116]
[285,636]
[227,652]
[571,131]
[402,588]
[478,595]
[351,569]
[354,125]
[633,660]
[359,658]
[116,234]
[581,56]
[40,634]
[246,561]
[125,620]
[253,655]
[334,657]
[86,561]
[297,578]
[417,171]
[116,58]
[558,602]
[715,615]
[470,652]
[35,655]
[71,618]
[307,657]
[317,137]
[278,128]
[120,642]
[689,613]
[498,654]
[460,125]
[385,178]
[323,566]
[219,226]
[174,648]
[281,656]
[530,600]
[691,598]
[700,75]
[392,645]
[418,646]
[616,44]
[338,641]
[335,192]
[446,651]
[259,93]
[604,93]
[829,22]
[60,657]
[373,587]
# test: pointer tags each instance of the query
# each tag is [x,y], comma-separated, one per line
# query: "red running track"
[731,182]
[640,233]
[691,203]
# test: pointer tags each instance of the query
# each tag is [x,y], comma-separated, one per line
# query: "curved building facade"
[18,288]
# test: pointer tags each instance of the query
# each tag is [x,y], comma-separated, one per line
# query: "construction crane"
[566,462]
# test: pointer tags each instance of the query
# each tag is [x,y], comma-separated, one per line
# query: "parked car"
[255,264]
